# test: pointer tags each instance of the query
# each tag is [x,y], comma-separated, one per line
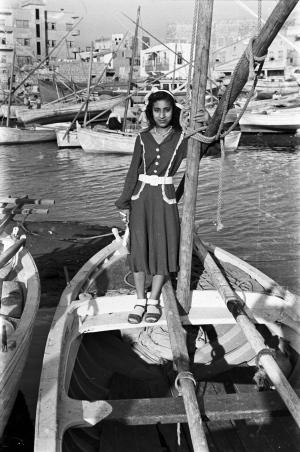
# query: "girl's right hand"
[124,213]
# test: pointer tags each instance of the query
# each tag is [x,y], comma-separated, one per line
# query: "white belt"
[155,180]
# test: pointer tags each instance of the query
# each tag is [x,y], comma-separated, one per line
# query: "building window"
[51,26]
[22,23]
[3,59]
[3,41]
[69,27]
[51,43]
[38,48]
[70,43]
[37,14]
[179,58]
[2,21]
[23,41]
[38,30]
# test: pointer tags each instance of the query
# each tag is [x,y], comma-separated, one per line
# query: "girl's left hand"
[202,116]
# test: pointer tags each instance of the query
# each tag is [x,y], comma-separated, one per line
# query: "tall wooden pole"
[130,77]
[10,87]
[88,85]
[205,12]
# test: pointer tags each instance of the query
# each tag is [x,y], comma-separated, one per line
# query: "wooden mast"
[10,87]
[130,77]
[198,103]
[89,85]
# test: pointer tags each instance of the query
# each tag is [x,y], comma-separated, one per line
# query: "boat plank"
[214,408]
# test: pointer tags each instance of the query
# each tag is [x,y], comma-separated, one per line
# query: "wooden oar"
[181,361]
[11,251]
[245,320]
[8,212]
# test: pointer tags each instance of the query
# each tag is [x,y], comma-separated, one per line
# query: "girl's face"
[162,113]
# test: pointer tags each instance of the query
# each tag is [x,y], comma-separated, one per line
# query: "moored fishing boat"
[17,135]
[94,358]
[110,141]
[271,120]
[62,112]
[67,140]
[20,296]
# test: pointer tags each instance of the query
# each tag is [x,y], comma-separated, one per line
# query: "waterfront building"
[33,30]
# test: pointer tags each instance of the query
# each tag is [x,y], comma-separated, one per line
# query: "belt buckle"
[154,180]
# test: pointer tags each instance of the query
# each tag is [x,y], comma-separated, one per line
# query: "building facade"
[33,31]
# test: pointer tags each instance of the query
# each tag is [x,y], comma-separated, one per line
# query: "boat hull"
[78,326]
[64,112]
[14,135]
[13,360]
[69,141]
[106,141]
[276,120]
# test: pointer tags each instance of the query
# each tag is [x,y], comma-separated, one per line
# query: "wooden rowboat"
[110,141]
[20,296]
[69,140]
[16,135]
[62,112]
[272,120]
[106,384]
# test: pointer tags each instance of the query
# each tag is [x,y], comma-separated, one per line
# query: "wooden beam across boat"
[168,410]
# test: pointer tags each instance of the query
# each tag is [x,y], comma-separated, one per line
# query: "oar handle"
[11,251]
[26,200]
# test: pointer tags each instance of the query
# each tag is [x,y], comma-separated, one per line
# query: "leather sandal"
[136,315]
[153,311]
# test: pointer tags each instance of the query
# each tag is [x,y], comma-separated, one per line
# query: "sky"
[104,17]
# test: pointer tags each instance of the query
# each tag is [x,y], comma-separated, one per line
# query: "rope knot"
[181,375]
[252,58]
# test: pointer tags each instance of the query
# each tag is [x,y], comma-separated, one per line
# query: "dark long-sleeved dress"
[154,219]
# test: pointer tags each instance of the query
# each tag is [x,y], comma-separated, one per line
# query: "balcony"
[6,47]
[157,67]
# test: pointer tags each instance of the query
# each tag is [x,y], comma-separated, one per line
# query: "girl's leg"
[136,315]
[139,281]
[153,307]
[157,283]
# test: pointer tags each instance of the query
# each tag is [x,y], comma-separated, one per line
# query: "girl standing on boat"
[148,202]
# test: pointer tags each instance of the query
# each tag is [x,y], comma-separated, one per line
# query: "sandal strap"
[151,302]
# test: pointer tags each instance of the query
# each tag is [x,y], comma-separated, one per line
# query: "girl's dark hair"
[163,95]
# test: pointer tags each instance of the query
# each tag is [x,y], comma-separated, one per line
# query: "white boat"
[271,120]
[63,111]
[99,377]
[106,141]
[69,140]
[110,141]
[20,297]
[16,135]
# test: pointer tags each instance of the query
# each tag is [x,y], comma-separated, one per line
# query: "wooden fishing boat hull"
[108,141]
[69,141]
[90,343]
[63,112]
[15,135]
[285,120]
[12,360]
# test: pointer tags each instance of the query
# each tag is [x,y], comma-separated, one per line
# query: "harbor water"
[253,193]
